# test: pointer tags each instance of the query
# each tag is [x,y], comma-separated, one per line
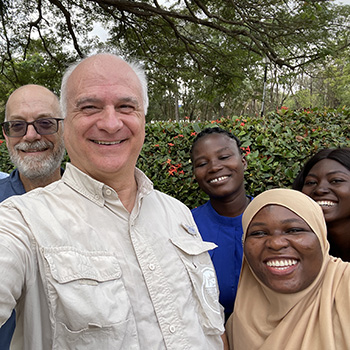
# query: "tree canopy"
[197,52]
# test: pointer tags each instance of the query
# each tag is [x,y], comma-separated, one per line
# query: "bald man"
[33,132]
[100,259]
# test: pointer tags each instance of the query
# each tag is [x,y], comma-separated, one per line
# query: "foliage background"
[251,55]
[276,147]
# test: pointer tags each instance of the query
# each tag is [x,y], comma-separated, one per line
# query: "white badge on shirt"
[209,289]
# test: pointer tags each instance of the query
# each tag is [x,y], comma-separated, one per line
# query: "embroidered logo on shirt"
[209,289]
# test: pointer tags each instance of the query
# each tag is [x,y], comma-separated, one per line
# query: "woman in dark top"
[326,179]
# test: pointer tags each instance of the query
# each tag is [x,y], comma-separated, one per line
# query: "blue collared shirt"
[11,185]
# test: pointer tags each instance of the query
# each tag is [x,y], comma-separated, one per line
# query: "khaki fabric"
[87,274]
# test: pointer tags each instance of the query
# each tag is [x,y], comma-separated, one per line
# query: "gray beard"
[35,168]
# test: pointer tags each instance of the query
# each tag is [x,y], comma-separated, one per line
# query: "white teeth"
[326,203]
[107,143]
[34,150]
[218,179]
[281,263]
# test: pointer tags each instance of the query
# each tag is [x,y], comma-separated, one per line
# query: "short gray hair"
[135,66]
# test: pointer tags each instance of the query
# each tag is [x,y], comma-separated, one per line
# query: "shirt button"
[172,329]
[108,192]
[97,196]
[151,267]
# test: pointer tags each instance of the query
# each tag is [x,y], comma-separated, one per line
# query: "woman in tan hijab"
[292,295]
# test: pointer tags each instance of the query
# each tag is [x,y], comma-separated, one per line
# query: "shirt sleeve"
[15,258]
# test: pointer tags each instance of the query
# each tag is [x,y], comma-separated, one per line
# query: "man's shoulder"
[4,181]
[3,175]
[11,186]
[34,198]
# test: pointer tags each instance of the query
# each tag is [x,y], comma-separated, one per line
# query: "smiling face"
[218,165]
[105,123]
[328,183]
[33,154]
[282,250]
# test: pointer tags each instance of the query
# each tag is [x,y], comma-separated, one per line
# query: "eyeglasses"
[18,128]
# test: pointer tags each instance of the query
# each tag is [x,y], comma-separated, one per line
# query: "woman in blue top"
[219,165]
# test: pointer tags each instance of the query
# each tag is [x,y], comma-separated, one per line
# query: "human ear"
[244,161]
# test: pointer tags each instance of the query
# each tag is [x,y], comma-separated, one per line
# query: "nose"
[277,241]
[31,134]
[322,188]
[110,121]
[215,165]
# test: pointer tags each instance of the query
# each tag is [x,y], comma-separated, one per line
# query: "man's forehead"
[102,90]
[33,108]
[103,71]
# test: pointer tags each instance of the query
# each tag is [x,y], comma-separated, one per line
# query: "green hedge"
[276,146]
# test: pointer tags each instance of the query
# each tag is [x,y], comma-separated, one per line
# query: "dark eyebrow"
[252,224]
[330,173]
[223,149]
[286,221]
[217,152]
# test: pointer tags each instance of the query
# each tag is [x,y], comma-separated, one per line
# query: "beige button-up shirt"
[87,274]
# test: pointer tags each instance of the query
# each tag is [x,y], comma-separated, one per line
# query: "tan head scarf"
[316,318]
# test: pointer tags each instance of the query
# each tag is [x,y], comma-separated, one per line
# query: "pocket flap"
[68,264]
[192,246]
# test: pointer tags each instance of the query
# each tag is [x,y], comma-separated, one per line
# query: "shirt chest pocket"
[86,291]
[195,257]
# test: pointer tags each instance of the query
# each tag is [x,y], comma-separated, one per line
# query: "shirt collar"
[97,191]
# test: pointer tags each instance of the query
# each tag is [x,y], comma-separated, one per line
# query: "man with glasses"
[100,259]
[33,132]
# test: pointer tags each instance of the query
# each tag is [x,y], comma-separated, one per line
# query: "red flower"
[247,150]
[242,124]
[170,144]
[156,145]
[172,170]
[193,133]
[168,161]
